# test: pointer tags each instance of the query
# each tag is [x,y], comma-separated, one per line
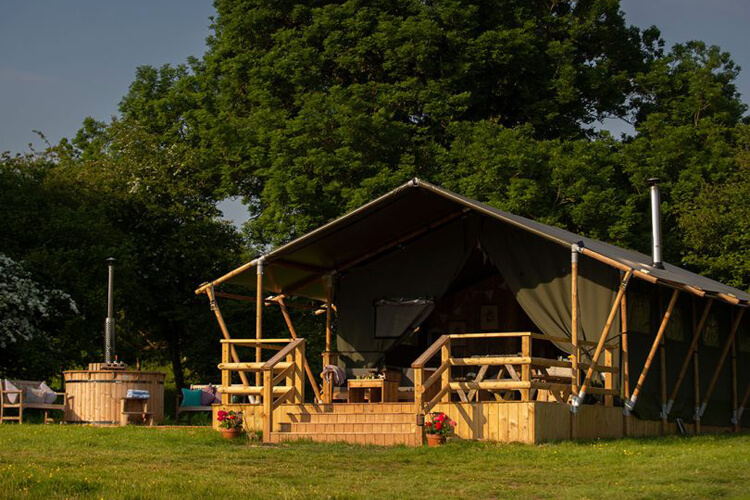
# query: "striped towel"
[137,394]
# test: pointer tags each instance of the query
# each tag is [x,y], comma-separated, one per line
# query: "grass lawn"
[67,461]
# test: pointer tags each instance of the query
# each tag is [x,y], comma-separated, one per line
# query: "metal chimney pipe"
[656,224]
[109,324]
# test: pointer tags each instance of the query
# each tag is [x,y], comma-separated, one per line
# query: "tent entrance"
[477,300]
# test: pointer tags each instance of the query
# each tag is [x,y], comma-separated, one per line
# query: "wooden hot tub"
[93,396]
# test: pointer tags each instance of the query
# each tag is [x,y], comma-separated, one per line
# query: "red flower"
[428,424]
[453,424]
[232,417]
[440,417]
[438,425]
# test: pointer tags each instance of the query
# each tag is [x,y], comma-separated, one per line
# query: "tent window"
[393,317]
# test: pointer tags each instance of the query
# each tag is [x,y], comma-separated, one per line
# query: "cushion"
[35,396]
[191,397]
[13,397]
[49,395]
[208,396]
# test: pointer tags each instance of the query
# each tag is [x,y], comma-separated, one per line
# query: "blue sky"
[63,61]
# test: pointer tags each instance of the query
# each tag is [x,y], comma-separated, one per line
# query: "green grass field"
[66,461]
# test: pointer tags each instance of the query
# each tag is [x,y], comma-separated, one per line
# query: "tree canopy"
[308,109]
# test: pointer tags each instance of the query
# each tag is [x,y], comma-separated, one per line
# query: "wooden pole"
[697,330]
[630,403]
[267,405]
[328,354]
[696,377]
[293,332]
[625,360]
[663,383]
[258,315]
[741,409]
[735,401]
[724,352]
[225,331]
[577,400]
[445,355]
[525,368]
[574,318]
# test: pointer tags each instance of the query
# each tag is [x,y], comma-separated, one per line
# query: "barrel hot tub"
[94,395]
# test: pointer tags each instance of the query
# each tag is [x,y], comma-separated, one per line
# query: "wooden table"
[374,390]
[135,407]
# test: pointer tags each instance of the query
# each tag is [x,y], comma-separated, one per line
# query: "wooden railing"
[287,366]
[524,383]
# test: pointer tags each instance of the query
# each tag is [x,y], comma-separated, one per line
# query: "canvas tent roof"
[415,208]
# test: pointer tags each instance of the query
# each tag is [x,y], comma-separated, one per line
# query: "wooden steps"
[371,424]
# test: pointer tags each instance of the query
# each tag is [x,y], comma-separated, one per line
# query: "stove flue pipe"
[656,224]
[109,324]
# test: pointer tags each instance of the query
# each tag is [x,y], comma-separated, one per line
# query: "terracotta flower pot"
[435,440]
[231,433]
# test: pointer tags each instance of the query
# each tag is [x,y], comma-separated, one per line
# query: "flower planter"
[231,433]
[435,440]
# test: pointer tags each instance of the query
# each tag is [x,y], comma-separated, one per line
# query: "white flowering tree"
[25,304]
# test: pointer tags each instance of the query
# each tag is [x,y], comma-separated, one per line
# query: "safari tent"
[517,330]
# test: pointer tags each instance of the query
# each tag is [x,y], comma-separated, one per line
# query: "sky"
[63,61]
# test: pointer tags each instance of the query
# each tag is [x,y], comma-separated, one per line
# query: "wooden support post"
[696,379]
[735,420]
[625,362]
[692,353]
[575,354]
[267,405]
[663,384]
[525,368]
[577,400]
[724,352]
[293,333]
[445,379]
[630,403]
[226,375]
[743,403]
[608,376]
[225,331]
[327,356]
[258,314]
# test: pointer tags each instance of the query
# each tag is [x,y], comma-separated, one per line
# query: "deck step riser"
[354,418]
[311,428]
[407,439]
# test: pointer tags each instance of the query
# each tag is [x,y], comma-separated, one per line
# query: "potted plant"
[230,423]
[439,428]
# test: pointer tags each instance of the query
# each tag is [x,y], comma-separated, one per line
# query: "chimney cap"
[111,260]
[653,181]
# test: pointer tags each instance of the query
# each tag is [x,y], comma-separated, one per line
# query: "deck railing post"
[525,368]
[226,375]
[299,374]
[445,356]
[609,381]
[267,405]
[418,390]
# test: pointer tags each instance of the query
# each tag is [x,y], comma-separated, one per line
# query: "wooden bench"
[22,403]
[190,410]
[135,407]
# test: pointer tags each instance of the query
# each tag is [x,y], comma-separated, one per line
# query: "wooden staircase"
[383,424]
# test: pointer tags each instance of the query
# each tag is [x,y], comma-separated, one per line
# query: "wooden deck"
[396,423]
